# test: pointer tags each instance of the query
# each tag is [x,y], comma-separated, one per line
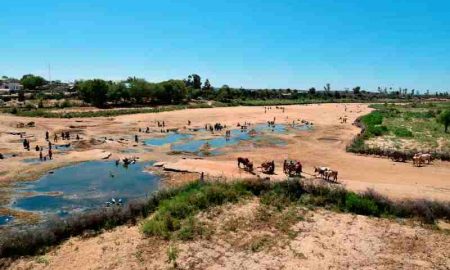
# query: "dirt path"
[323,146]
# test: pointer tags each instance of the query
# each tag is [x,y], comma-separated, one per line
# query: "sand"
[240,240]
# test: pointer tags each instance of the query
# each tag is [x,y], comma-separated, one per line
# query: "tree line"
[136,91]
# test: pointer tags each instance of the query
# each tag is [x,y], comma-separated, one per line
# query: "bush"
[172,215]
[376,130]
[361,205]
[402,132]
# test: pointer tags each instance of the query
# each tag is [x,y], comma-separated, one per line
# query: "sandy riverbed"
[324,146]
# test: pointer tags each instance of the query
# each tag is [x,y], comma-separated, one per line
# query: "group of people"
[267,108]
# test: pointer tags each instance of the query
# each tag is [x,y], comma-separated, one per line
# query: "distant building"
[10,86]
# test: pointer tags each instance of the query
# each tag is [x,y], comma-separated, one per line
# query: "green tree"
[207,88]
[444,118]
[94,91]
[31,82]
[194,81]
[357,90]
[312,91]
[118,92]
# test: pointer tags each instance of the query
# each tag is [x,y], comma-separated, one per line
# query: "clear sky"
[249,43]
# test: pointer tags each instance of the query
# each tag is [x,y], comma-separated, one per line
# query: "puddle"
[277,128]
[34,160]
[6,156]
[5,220]
[303,127]
[237,135]
[172,137]
[129,151]
[84,186]
[63,147]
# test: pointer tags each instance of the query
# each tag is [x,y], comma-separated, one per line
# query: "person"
[55,138]
[46,136]
[136,138]
[40,155]
[49,145]
[189,122]
[37,148]
[50,153]
[78,137]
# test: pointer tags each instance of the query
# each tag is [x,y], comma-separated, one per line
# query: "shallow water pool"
[5,219]
[84,186]
[172,137]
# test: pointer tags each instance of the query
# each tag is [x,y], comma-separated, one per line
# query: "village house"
[10,86]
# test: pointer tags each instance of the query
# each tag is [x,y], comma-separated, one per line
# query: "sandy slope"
[320,240]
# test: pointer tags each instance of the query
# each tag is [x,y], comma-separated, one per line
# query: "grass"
[46,113]
[173,212]
[408,127]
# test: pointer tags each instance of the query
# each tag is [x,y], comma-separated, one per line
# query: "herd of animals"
[290,168]
[295,168]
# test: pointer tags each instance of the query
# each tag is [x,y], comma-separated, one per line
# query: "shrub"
[361,205]
[402,132]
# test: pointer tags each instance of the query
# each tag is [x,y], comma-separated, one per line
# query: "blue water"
[237,135]
[172,137]
[219,142]
[5,220]
[85,186]
[277,128]
[303,127]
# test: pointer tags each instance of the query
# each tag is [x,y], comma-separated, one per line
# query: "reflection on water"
[84,186]
[237,135]
[172,137]
[5,220]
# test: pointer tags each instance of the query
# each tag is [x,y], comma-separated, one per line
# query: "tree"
[31,82]
[194,81]
[357,90]
[94,91]
[118,93]
[312,91]
[207,86]
[225,93]
[327,88]
[444,118]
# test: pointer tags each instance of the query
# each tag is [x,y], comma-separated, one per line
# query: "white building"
[10,86]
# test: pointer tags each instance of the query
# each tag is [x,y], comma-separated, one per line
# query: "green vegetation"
[175,215]
[136,92]
[31,82]
[173,212]
[444,118]
[413,127]
[101,113]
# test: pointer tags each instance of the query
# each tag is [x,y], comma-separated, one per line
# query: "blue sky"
[255,44]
